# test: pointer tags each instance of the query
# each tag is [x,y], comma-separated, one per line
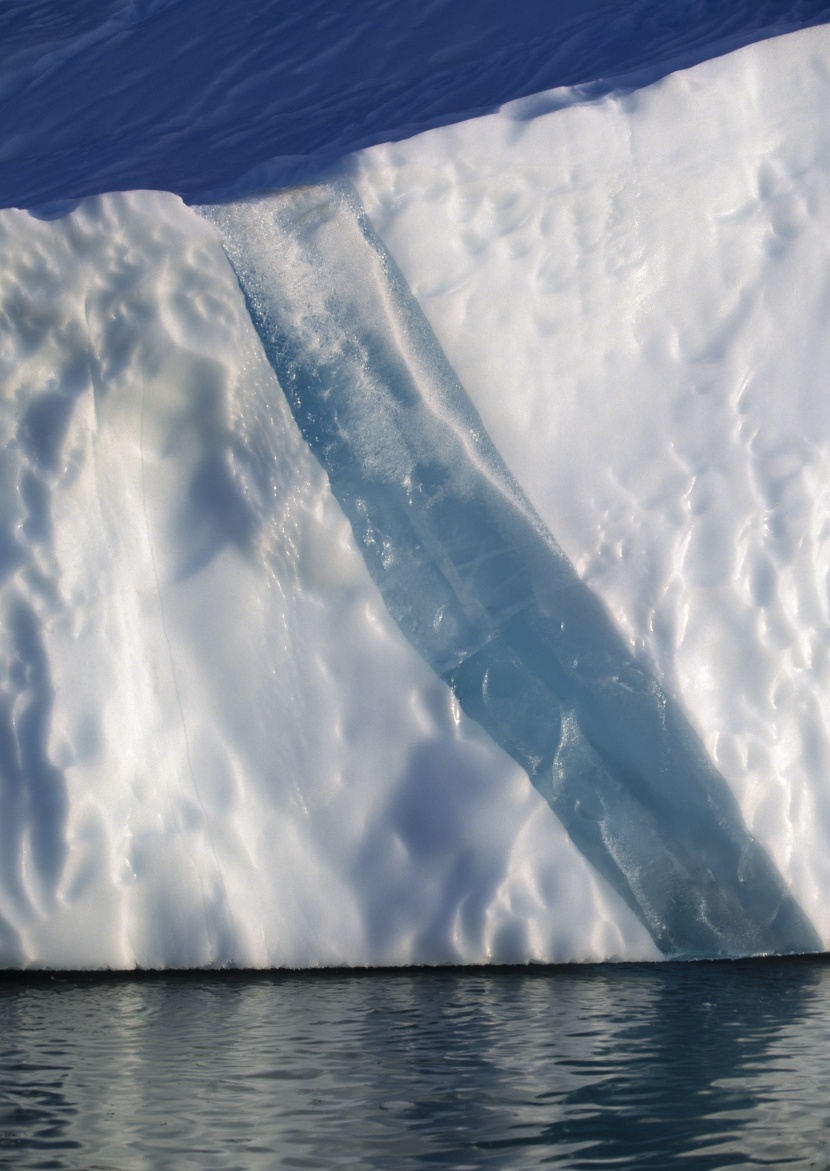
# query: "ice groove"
[482,589]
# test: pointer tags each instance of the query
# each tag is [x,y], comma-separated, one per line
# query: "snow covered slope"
[216,744]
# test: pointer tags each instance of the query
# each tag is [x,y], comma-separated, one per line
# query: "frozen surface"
[483,592]
[216,746]
[634,292]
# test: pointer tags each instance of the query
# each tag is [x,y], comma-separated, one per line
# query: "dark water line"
[33,977]
[483,591]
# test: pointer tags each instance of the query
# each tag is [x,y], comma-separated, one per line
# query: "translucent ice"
[483,591]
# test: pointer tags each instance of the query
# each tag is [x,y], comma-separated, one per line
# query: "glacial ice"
[228,753]
[218,746]
[660,259]
[483,591]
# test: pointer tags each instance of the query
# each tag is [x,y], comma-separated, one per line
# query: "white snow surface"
[216,746]
[635,292]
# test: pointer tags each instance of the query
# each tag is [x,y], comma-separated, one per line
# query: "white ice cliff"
[240,722]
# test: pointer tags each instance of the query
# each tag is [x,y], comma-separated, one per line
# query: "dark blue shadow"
[189,95]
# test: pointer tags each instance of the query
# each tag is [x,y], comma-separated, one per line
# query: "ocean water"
[701,1065]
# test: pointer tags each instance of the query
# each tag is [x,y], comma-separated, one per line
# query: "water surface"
[698,1065]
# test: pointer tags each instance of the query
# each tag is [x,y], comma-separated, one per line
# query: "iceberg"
[442,580]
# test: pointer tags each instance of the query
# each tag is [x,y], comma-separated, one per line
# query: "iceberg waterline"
[223,750]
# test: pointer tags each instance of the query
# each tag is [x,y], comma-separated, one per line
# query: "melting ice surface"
[484,592]
[218,746]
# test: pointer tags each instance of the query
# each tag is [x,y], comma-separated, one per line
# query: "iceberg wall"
[216,744]
[660,259]
[483,591]
[218,748]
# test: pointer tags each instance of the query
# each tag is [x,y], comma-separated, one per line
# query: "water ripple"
[706,1066]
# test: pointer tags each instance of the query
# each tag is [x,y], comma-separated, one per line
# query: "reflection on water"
[705,1065]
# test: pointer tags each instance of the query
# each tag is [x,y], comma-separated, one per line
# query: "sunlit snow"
[216,744]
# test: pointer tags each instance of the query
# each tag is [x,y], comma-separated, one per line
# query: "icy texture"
[215,745]
[634,293]
[478,586]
